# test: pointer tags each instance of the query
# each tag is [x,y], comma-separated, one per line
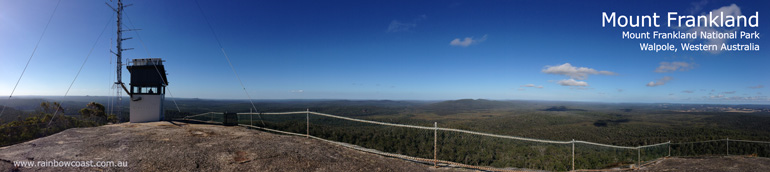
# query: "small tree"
[112,118]
[50,108]
[94,110]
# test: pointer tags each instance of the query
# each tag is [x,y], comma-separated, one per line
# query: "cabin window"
[147,90]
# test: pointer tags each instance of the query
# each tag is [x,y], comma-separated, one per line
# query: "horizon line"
[373,99]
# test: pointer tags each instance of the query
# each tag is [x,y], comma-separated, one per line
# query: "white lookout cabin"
[148,90]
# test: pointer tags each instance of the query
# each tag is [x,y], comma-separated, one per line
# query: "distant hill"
[339,107]
[27,106]
[22,103]
[465,105]
[11,114]
[563,108]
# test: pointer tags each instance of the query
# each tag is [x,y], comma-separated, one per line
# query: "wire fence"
[485,151]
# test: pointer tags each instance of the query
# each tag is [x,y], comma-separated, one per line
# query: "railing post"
[728,146]
[307,116]
[251,117]
[669,148]
[639,157]
[573,154]
[435,143]
[260,119]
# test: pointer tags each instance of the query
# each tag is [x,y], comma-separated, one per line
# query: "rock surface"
[713,163]
[176,146]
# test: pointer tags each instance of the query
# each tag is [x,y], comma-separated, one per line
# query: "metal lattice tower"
[120,49]
[119,54]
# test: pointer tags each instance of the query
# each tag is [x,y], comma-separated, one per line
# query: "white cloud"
[688,91]
[738,98]
[532,85]
[660,81]
[757,87]
[580,73]
[296,91]
[468,41]
[732,10]
[729,92]
[674,66]
[697,6]
[572,82]
[398,26]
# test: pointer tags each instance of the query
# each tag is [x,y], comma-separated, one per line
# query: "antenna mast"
[119,54]
[120,49]
[120,40]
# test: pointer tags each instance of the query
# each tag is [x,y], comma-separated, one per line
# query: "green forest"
[49,118]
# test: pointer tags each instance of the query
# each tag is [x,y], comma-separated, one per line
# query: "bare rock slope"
[165,146]
[712,163]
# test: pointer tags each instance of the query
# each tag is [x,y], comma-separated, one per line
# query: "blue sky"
[402,50]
